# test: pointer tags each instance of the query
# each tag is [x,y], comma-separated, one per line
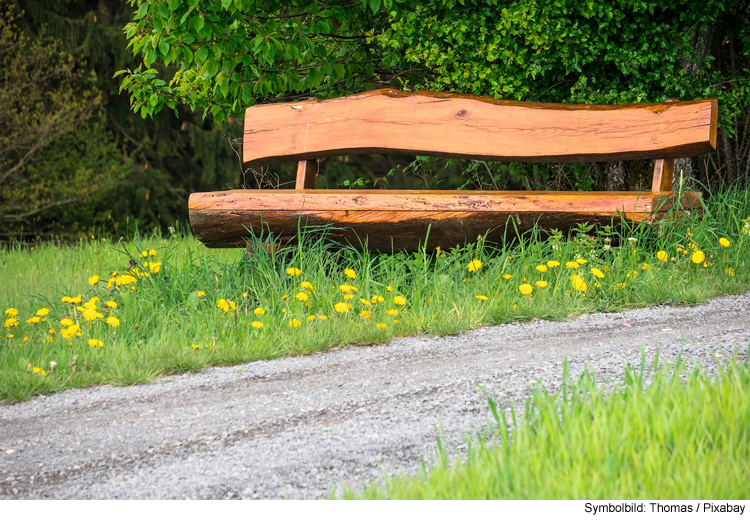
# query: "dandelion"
[348,296]
[645,266]
[259,311]
[541,283]
[389,288]
[578,283]
[154,267]
[232,305]
[111,304]
[392,312]
[474,265]
[307,285]
[91,315]
[381,326]
[698,256]
[42,312]
[365,314]
[195,347]
[151,252]
[33,320]
[724,242]
[322,317]
[542,268]
[144,254]
[51,331]
[620,285]
[66,322]
[114,322]
[93,343]
[482,297]
[662,255]
[377,299]
[729,271]
[295,323]
[572,265]
[283,297]
[12,312]
[201,294]
[350,273]
[552,263]
[10,322]
[507,276]
[399,300]
[302,297]
[341,307]
[94,279]
[294,272]
[223,305]
[597,273]
[256,324]
[526,289]
[310,317]
[437,252]
[581,261]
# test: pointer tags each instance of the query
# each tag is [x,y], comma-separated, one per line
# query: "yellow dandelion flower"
[223,304]
[93,343]
[283,297]
[113,321]
[482,297]
[154,267]
[294,272]
[232,305]
[302,297]
[399,300]
[572,265]
[581,261]
[259,311]
[578,283]
[10,322]
[542,268]
[724,242]
[151,252]
[201,294]
[307,285]
[729,271]
[350,273]
[698,256]
[111,304]
[256,324]
[631,275]
[393,312]
[90,315]
[195,347]
[66,322]
[620,285]
[474,265]
[437,252]
[366,302]
[144,254]
[36,370]
[93,279]
[12,312]
[365,314]
[541,283]
[348,296]
[42,312]
[341,307]
[507,276]
[645,266]
[381,326]
[662,255]
[322,317]
[345,288]
[51,331]
[33,320]
[526,289]
[295,323]
[597,273]
[552,263]
[377,299]
[389,288]
[310,317]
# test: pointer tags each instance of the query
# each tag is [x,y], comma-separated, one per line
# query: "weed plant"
[104,312]
[655,437]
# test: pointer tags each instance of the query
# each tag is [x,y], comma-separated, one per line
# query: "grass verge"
[665,439]
[103,312]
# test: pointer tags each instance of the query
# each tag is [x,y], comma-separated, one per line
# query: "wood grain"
[663,174]
[307,170]
[399,220]
[464,126]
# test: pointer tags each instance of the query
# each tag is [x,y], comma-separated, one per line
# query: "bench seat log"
[399,220]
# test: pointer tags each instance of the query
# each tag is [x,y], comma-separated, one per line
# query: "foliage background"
[101,166]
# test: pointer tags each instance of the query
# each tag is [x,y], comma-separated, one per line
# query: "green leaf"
[198,23]
[374,5]
[226,3]
[202,55]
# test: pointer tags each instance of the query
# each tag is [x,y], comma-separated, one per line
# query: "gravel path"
[299,427]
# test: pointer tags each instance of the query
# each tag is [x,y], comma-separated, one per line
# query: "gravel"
[301,427]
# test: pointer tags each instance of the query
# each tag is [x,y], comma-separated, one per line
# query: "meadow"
[105,311]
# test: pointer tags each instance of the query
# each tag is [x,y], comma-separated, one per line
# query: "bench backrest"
[464,126]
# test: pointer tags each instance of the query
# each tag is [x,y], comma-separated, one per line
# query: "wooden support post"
[663,172]
[306,172]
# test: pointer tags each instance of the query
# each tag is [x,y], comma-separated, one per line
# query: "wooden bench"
[454,126]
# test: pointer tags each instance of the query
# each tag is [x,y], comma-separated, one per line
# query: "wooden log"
[465,126]
[399,220]
[307,170]
[663,174]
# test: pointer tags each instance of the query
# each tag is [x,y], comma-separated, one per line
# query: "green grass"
[656,437]
[166,327]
